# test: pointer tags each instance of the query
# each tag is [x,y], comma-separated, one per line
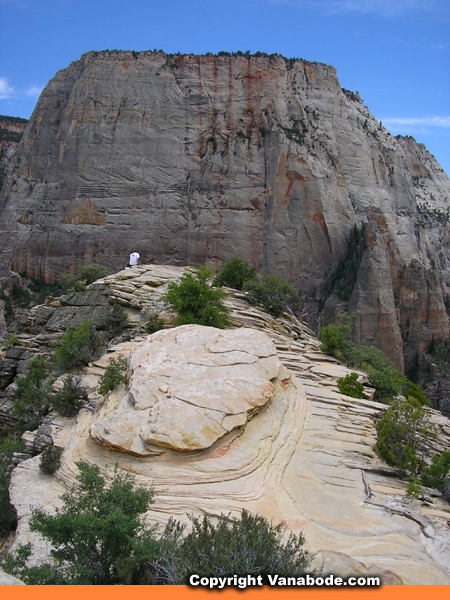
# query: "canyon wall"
[188,159]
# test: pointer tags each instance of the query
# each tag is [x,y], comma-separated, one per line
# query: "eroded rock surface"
[305,458]
[189,387]
[6,579]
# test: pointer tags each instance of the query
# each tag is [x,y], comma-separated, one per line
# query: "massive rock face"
[11,129]
[195,158]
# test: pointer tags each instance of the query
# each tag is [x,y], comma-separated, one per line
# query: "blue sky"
[396,53]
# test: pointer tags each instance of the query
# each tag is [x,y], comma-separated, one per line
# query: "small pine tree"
[77,348]
[234,273]
[33,394]
[334,337]
[114,374]
[116,319]
[97,525]
[194,299]
[350,386]
[50,460]
[71,398]
[271,292]
[402,435]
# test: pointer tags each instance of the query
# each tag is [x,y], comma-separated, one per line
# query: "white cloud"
[417,122]
[381,8]
[6,91]
[34,91]
[441,46]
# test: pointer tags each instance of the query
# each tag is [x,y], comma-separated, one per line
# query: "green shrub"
[271,293]
[436,475]
[234,273]
[12,341]
[8,516]
[350,386]
[33,394]
[413,487]
[411,390]
[195,300]
[83,276]
[332,340]
[77,348]
[50,460]
[154,323]
[334,337]
[402,434]
[114,374]
[383,376]
[98,525]
[71,398]
[249,545]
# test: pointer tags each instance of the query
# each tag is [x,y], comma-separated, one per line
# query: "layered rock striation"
[193,158]
[288,445]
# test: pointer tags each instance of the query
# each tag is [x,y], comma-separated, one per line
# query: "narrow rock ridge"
[305,459]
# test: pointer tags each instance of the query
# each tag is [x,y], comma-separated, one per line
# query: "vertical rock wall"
[197,158]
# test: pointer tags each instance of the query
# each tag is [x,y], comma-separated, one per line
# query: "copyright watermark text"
[244,581]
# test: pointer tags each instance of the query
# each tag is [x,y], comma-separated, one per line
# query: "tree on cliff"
[234,273]
[98,525]
[195,300]
[99,538]
[271,292]
[402,435]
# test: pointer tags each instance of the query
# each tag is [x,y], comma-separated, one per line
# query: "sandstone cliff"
[250,417]
[11,129]
[196,158]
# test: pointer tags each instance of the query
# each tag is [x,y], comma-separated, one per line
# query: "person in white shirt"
[135,259]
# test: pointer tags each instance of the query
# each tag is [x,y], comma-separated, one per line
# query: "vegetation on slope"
[99,537]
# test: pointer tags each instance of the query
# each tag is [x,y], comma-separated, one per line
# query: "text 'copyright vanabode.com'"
[244,581]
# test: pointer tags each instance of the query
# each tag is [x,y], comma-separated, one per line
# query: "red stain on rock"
[83,213]
[292,177]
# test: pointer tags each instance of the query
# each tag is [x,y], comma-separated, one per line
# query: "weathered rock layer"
[194,158]
[303,457]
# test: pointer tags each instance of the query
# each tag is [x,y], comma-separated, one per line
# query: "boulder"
[189,387]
